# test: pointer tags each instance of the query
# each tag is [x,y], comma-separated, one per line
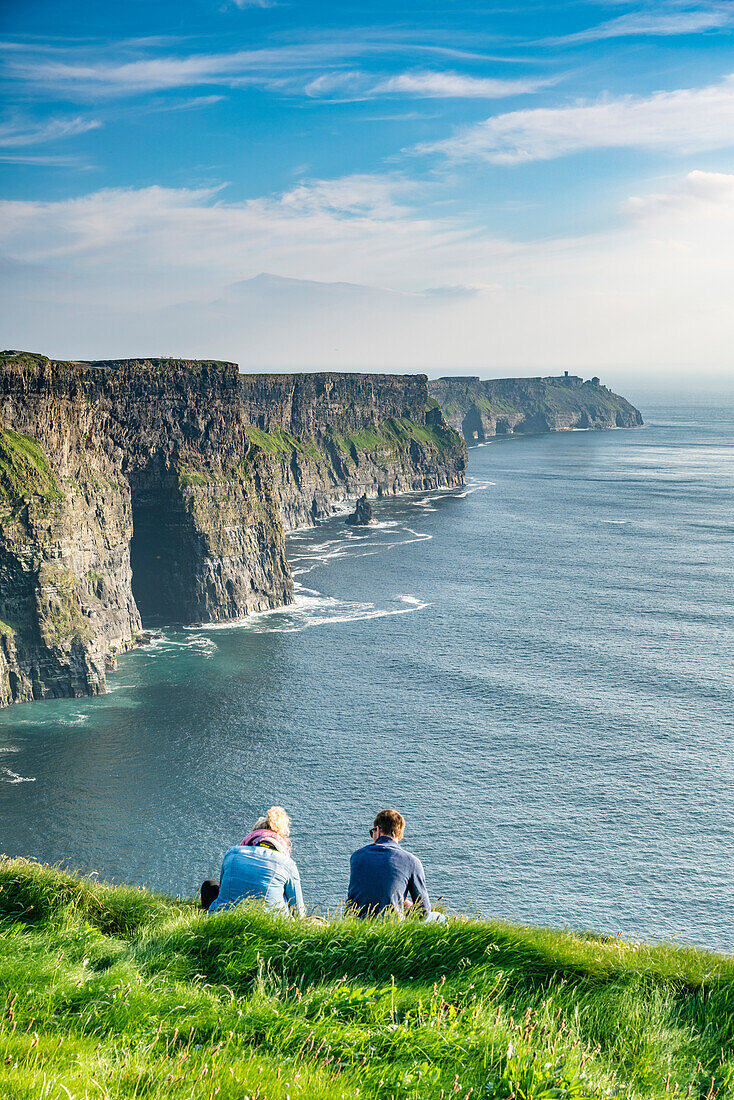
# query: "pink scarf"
[275,839]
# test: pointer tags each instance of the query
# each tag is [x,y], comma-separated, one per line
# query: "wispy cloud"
[452,85]
[256,3]
[192,104]
[356,84]
[19,133]
[682,121]
[47,161]
[318,228]
[660,21]
[318,68]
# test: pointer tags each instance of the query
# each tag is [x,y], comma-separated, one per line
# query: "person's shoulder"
[235,850]
[359,853]
[415,862]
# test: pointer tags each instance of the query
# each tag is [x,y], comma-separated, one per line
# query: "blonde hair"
[276,819]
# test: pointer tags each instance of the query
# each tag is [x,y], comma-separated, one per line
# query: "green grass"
[188,479]
[119,993]
[24,470]
[390,437]
[279,441]
[395,434]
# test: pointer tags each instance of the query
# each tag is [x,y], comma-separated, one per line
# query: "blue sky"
[506,188]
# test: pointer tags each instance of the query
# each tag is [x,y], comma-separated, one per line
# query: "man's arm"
[293,893]
[352,888]
[417,886]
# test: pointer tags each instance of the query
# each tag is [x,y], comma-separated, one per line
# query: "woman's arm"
[293,893]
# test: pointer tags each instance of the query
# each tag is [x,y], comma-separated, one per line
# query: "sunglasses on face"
[373,830]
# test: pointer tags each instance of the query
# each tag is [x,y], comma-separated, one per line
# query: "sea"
[536,669]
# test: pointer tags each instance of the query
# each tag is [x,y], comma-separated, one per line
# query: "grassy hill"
[115,992]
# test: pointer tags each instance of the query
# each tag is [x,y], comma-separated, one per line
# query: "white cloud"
[76,72]
[695,196]
[683,121]
[18,134]
[690,19]
[451,85]
[46,161]
[354,227]
[171,272]
[316,68]
[350,83]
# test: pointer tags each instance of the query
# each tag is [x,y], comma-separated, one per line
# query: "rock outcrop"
[160,490]
[362,514]
[506,406]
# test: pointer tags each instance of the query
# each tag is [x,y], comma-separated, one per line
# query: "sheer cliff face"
[506,406]
[161,489]
[331,437]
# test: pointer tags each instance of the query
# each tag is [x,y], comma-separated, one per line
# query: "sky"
[452,188]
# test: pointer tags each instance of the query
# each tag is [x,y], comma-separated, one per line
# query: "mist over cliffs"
[139,490]
[514,406]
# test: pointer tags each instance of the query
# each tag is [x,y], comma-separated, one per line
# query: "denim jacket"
[253,871]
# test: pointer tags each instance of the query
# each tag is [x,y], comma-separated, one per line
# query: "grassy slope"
[391,437]
[24,471]
[115,992]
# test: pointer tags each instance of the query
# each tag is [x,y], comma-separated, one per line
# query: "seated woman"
[260,868]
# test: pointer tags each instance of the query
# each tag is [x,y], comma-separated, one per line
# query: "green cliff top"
[117,993]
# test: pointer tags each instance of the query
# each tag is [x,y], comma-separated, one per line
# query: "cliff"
[156,490]
[332,437]
[506,406]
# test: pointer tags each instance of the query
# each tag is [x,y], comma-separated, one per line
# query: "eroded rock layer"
[139,491]
[506,406]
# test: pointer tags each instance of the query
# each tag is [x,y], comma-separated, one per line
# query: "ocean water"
[536,669]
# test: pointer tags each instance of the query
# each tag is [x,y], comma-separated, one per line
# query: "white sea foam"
[207,646]
[313,608]
[474,486]
[13,777]
[76,719]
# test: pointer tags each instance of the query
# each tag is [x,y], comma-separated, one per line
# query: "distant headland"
[481,410]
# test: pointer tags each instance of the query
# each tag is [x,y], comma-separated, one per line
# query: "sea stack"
[362,514]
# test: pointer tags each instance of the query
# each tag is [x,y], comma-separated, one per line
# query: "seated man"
[260,868]
[384,878]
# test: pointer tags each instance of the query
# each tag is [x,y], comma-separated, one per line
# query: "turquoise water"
[537,670]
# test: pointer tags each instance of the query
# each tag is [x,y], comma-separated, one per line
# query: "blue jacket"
[256,872]
[382,876]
